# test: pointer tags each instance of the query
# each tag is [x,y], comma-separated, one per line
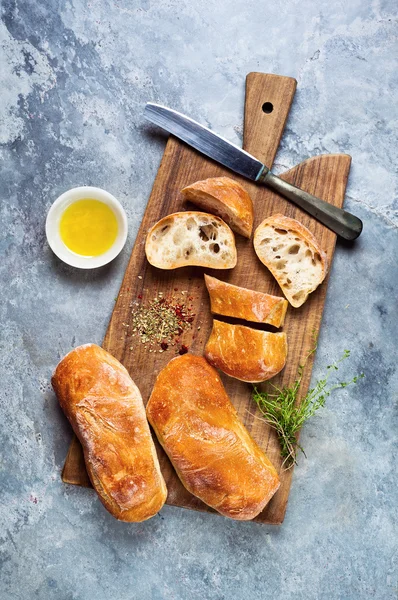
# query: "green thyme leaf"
[281,409]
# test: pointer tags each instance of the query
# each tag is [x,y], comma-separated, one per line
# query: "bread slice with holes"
[293,256]
[191,239]
[226,198]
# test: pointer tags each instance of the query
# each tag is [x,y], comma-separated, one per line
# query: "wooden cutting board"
[325,176]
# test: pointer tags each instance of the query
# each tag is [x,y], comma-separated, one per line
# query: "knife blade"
[238,160]
[205,141]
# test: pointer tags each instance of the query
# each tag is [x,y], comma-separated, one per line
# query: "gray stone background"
[74,77]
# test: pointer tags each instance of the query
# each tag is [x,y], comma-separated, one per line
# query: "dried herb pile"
[161,321]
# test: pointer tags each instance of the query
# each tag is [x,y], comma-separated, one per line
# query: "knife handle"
[343,223]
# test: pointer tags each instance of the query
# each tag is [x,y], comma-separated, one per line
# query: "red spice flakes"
[139,296]
[179,310]
[183,350]
[161,321]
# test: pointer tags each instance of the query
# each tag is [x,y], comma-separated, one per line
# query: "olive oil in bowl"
[88,227]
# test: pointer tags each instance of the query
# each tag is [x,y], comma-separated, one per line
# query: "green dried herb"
[286,415]
[160,320]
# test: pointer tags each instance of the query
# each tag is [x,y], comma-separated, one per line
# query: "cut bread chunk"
[226,198]
[241,303]
[245,353]
[293,255]
[191,238]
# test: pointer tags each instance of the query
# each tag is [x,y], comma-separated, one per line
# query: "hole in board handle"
[267,107]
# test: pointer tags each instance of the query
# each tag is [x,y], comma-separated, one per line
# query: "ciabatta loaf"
[226,198]
[210,449]
[241,303]
[191,238]
[106,411]
[245,353]
[293,256]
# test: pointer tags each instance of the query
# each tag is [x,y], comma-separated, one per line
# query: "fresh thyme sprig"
[286,415]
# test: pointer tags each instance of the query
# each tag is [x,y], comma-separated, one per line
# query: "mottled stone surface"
[74,76]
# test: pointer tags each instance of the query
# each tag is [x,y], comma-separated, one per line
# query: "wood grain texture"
[262,132]
[324,176]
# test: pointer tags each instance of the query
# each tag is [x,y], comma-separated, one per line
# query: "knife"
[211,144]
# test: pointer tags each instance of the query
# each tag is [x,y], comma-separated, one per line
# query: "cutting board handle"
[267,105]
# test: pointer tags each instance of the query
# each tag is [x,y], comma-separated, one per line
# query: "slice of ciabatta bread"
[293,256]
[191,239]
[241,303]
[245,353]
[226,198]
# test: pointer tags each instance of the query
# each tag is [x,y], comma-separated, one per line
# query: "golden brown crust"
[226,198]
[245,353]
[210,449]
[106,411]
[241,303]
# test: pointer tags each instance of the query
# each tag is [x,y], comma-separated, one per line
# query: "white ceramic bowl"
[54,237]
